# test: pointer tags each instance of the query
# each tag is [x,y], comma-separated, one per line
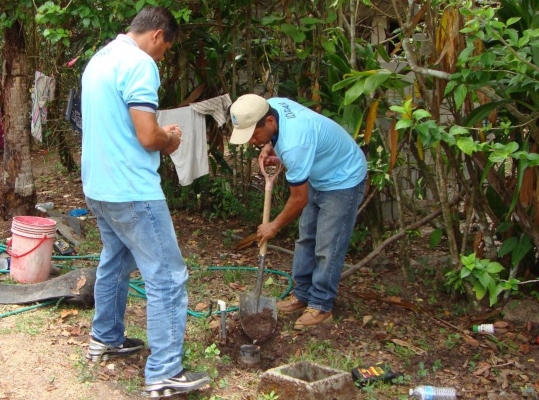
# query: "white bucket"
[30,248]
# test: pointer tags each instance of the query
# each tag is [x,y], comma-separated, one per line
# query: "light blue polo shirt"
[315,148]
[115,167]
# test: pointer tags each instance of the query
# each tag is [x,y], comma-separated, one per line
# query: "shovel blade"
[258,322]
[248,304]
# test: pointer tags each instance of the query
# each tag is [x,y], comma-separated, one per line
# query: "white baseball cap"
[246,111]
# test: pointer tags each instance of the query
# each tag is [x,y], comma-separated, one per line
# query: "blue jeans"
[325,228]
[141,235]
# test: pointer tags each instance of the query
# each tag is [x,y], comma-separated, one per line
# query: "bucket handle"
[10,252]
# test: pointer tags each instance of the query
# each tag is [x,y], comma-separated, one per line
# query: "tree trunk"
[17,184]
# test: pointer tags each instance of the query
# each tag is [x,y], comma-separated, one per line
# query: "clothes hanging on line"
[191,158]
[217,107]
[42,93]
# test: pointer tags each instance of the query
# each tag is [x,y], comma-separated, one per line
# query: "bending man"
[326,172]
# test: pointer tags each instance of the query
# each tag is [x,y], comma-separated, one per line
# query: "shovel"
[258,314]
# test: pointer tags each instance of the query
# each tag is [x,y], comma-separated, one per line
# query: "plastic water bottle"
[433,393]
[483,328]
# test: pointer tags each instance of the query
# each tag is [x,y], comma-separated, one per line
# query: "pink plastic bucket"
[30,248]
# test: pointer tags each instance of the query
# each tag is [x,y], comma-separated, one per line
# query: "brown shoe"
[312,317]
[291,305]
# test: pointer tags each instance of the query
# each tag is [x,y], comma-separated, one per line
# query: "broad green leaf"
[484,278]
[479,290]
[466,145]
[482,112]
[332,16]
[328,46]
[435,238]
[456,130]
[292,31]
[488,59]
[344,83]
[468,260]
[460,95]
[373,82]
[449,88]
[420,114]
[493,291]
[398,109]
[403,124]
[497,157]
[494,267]
[449,139]
[521,249]
[507,246]
[311,21]
[464,272]
[267,20]
[533,158]
[354,92]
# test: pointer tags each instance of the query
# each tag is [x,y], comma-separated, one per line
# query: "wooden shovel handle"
[270,178]
[267,196]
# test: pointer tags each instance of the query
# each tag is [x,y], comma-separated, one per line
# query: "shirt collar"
[126,39]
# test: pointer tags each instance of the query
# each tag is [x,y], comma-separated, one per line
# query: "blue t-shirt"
[315,148]
[115,167]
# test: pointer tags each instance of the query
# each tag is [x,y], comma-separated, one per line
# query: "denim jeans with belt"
[141,235]
[325,228]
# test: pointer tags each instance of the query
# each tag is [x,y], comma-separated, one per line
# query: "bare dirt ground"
[406,322]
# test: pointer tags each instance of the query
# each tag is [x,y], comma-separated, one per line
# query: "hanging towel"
[191,158]
[43,92]
[217,107]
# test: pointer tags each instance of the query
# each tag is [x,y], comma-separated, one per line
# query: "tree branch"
[376,252]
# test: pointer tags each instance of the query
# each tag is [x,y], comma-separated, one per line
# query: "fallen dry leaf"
[366,320]
[66,313]
[483,369]
[237,286]
[524,348]
[471,341]
[76,331]
[201,306]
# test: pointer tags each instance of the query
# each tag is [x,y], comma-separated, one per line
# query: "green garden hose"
[137,284]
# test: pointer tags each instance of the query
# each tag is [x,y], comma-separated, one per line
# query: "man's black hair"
[262,121]
[152,18]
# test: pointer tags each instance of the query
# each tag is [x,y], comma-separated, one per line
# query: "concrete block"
[308,381]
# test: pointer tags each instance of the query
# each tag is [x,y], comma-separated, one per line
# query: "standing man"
[326,172]
[121,147]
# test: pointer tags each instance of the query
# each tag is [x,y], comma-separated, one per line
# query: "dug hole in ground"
[409,324]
